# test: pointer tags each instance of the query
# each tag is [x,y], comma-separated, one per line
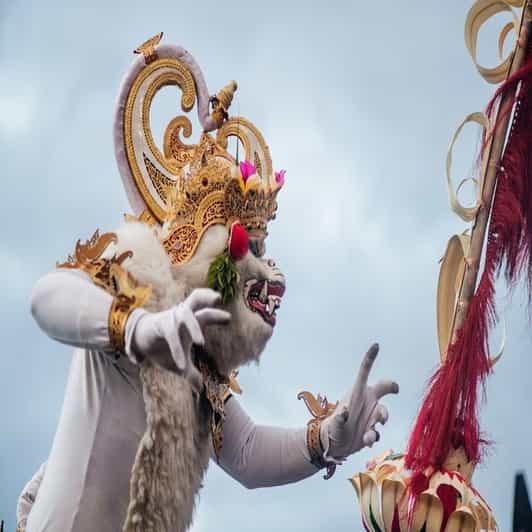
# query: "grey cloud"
[358,104]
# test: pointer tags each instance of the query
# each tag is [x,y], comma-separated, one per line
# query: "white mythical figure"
[162,312]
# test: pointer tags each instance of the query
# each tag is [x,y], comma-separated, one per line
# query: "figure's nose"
[271,263]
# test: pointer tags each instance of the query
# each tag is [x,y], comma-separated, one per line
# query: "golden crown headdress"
[187,188]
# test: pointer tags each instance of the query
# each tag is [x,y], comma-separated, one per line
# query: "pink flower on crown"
[279,178]
[247,170]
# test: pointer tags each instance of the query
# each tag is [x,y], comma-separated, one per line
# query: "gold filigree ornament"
[188,187]
[88,258]
[218,389]
[109,274]
[320,409]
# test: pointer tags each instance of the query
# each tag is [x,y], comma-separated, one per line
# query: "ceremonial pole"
[496,146]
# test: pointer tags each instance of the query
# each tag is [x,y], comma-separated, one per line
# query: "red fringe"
[448,496]
[418,484]
[396,525]
[448,417]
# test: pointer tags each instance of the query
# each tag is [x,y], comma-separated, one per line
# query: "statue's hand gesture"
[352,425]
[167,337]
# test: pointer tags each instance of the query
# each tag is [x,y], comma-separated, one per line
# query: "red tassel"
[396,526]
[448,496]
[448,417]
[418,484]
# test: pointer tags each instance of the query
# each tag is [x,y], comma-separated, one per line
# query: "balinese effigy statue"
[162,312]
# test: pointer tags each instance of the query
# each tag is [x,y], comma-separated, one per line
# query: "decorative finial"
[147,48]
[221,103]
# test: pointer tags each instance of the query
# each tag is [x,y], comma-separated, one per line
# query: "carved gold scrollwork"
[181,77]
[480,12]
[156,75]
[467,213]
[176,152]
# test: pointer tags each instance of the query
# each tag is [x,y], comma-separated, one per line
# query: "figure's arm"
[71,309]
[260,456]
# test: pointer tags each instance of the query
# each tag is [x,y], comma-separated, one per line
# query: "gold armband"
[320,409]
[108,273]
[129,296]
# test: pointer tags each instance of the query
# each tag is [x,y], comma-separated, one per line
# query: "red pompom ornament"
[238,241]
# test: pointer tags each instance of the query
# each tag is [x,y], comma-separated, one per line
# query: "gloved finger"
[370,437]
[202,297]
[366,365]
[379,415]
[190,323]
[362,378]
[212,316]
[385,387]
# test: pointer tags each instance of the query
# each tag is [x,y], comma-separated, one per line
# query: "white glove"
[167,337]
[352,424]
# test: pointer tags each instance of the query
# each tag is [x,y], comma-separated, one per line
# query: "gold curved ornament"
[449,284]
[251,139]
[480,12]
[318,406]
[90,251]
[467,214]
[502,38]
[147,48]
[428,512]
[450,281]
[179,75]
[187,102]
[176,152]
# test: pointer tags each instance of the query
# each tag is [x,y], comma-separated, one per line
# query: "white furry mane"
[173,454]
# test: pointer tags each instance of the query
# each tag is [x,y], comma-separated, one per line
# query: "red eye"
[238,241]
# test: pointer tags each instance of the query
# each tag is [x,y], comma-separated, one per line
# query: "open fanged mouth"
[264,297]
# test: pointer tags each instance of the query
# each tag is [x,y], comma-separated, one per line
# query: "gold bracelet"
[314,446]
[129,296]
[118,315]
[320,409]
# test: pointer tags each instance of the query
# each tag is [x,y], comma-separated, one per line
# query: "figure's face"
[254,307]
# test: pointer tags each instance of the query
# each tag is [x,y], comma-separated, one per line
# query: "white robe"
[86,483]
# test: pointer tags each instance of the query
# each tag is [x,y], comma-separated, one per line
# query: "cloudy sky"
[358,102]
